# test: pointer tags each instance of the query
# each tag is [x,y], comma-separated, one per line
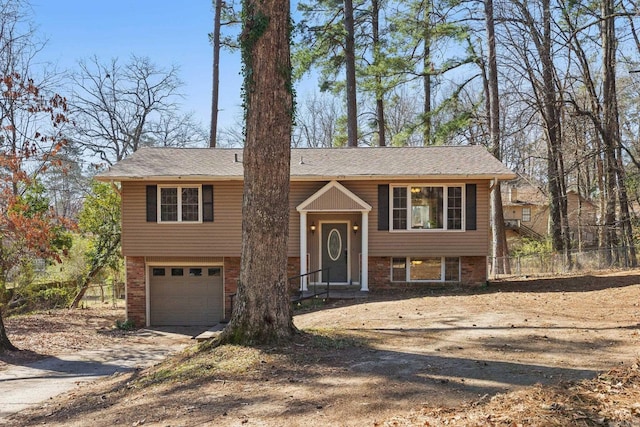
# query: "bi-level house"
[374,218]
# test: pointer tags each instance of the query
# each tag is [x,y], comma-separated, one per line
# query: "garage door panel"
[187,299]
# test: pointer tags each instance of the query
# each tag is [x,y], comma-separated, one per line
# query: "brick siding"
[293,270]
[136,291]
[231,277]
[473,272]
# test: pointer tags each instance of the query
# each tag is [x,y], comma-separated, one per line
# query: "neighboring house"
[526,213]
[375,217]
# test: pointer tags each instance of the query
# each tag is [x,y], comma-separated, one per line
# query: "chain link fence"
[550,264]
[101,294]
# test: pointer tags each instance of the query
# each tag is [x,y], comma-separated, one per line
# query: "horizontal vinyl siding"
[299,192]
[426,243]
[219,238]
[399,243]
[332,200]
[223,236]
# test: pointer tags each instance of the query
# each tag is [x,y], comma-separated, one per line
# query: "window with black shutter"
[152,203]
[182,203]
[207,203]
[470,207]
[383,207]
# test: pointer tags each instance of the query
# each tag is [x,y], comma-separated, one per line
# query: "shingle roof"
[314,163]
[525,194]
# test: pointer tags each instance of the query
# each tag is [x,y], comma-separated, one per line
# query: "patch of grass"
[234,362]
[223,362]
[125,325]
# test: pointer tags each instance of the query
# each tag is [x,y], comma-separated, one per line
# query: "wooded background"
[549,87]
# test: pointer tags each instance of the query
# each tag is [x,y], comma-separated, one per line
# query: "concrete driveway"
[25,386]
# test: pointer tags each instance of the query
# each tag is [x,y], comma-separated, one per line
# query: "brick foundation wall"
[231,277]
[380,273]
[293,269]
[136,295]
[473,270]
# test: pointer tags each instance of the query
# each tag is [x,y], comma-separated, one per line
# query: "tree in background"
[499,250]
[317,120]
[215,40]
[328,41]
[425,47]
[262,310]
[32,122]
[66,182]
[119,108]
[29,230]
[99,220]
[224,14]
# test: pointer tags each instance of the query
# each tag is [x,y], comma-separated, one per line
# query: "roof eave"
[306,178]
[117,178]
[501,177]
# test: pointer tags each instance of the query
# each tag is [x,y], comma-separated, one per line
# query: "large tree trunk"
[625,217]
[426,78]
[610,121]
[350,66]
[611,126]
[555,163]
[5,343]
[262,309]
[216,73]
[499,253]
[375,29]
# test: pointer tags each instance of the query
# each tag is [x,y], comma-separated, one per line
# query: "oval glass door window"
[334,244]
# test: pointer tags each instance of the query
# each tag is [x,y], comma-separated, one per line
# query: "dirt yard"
[429,358]
[56,332]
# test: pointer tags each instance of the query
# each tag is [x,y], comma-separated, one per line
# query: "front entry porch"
[334,238]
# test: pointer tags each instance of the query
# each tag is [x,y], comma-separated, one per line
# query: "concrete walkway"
[25,386]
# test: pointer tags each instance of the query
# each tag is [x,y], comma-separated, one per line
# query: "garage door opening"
[186,295]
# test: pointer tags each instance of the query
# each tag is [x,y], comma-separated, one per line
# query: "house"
[374,218]
[526,213]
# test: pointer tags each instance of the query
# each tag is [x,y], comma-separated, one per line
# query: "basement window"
[425,269]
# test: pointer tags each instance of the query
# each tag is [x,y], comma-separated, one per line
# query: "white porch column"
[303,250]
[364,280]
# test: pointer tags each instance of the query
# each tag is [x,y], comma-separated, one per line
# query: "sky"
[168,32]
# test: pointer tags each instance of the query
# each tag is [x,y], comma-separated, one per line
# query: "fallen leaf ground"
[557,351]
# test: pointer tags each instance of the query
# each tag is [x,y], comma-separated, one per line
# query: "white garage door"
[185,296]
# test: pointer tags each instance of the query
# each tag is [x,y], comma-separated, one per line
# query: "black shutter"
[207,203]
[383,207]
[470,207]
[152,203]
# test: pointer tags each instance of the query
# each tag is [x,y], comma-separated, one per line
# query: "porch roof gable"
[334,197]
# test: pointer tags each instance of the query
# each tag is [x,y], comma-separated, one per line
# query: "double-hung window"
[426,207]
[179,204]
[425,269]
